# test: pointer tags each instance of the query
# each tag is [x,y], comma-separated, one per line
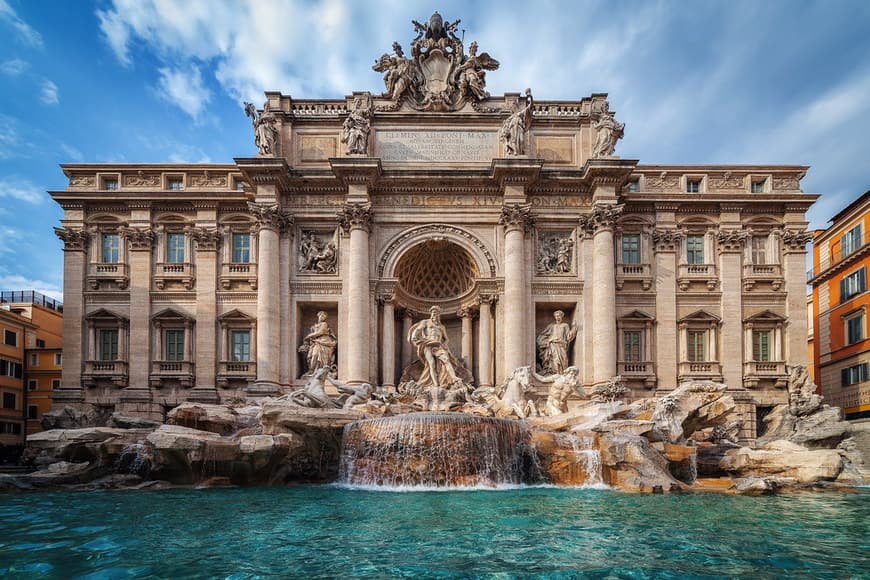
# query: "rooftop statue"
[609,132]
[513,130]
[265,129]
[439,76]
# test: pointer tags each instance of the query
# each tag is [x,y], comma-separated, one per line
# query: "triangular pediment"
[170,314]
[765,316]
[236,314]
[700,316]
[105,314]
[638,315]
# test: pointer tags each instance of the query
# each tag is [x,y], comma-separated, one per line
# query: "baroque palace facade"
[195,282]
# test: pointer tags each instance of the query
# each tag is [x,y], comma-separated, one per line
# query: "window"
[10,400]
[108,344]
[58,359]
[241,248]
[633,186]
[173,345]
[695,249]
[174,184]
[855,329]
[10,428]
[9,368]
[854,374]
[110,184]
[10,338]
[40,343]
[761,345]
[32,384]
[631,248]
[697,345]
[55,384]
[693,185]
[238,185]
[757,186]
[241,342]
[110,248]
[175,248]
[759,249]
[851,241]
[34,359]
[32,411]
[632,345]
[854,283]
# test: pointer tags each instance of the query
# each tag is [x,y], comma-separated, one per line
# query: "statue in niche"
[553,344]
[554,254]
[472,72]
[265,128]
[429,337]
[513,130]
[315,256]
[609,132]
[319,345]
[356,128]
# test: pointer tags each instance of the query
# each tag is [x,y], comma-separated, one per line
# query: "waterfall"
[135,459]
[583,446]
[440,450]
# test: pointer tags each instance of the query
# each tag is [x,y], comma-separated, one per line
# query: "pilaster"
[75,243]
[140,239]
[794,243]
[731,241]
[666,242]
[517,220]
[206,240]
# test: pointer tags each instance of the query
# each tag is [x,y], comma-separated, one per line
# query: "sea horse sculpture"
[509,399]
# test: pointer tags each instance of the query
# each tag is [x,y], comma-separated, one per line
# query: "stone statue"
[313,394]
[472,72]
[319,345]
[509,399]
[315,256]
[562,386]
[553,344]
[265,128]
[609,132]
[555,254]
[398,72]
[614,388]
[356,128]
[430,339]
[358,395]
[802,397]
[513,130]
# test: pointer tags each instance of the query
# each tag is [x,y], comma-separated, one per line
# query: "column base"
[263,389]
[204,395]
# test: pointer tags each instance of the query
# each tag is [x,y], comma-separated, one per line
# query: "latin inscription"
[469,146]
[408,200]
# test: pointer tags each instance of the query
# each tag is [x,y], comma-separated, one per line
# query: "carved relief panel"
[318,252]
[554,254]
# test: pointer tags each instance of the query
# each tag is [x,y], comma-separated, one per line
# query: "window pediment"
[701,316]
[104,314]
[764,316]
[168,314]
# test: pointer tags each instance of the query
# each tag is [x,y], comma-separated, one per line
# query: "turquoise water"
[324,531]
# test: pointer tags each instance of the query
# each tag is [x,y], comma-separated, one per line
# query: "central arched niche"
[436,271]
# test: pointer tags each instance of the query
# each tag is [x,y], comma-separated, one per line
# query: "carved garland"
[421,232]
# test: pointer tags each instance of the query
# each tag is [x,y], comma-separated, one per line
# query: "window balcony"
[754,371]
[641,371]
[174,272]
[769,273]
[181,371]
[236,371]
[105,370]
[707,370]
[246,272]
[705,273]
[116,273]
[634,272]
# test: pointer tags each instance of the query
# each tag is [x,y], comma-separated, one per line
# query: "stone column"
[601,223]
[731,243]
[75,243]
[271,221]
[794,243]
[287,369]
[465,314]
[407,351]
[516,219]
[140,240]
[355,219]
[388,345]
[207,241]
[667,243]
[484,342]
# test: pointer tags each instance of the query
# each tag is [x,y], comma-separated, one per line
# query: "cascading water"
[583,446]
[135,459]
[437,450]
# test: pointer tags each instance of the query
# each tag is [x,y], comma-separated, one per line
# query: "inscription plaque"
[469,146]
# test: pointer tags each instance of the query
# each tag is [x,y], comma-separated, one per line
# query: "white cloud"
[27,34]
[71,152]
[22,190]
[48,93]
[185,89]
[117,34]
[14,67]
[18,282]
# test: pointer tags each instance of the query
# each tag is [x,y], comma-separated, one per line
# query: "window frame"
[58,359]
[692,347]
[6,338]
[234,354]
[114,349]
[858,372]
[702,248]
[110,253]
[175,253]
[14,399]
[859,326]
[853,284]
[173,350]
[234,238]
[634,252]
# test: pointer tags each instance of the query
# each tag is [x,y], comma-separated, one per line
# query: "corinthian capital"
[270,216]
[667,239]
[355,216]
[139,238]
[732,240]
[602,217]
[517,215]
[796,240]
[74,240]
[207,239]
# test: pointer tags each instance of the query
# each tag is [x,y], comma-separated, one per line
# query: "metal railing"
[31,297]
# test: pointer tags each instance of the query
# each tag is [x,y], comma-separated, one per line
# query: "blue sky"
[152,81]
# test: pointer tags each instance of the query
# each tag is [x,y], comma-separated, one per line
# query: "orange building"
[43,352]
[15,332]
[841,258]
